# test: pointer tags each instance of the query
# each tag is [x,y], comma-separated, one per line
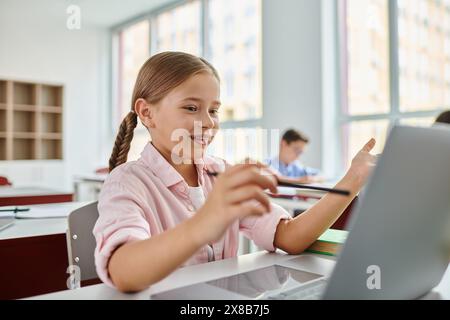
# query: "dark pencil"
[282,183]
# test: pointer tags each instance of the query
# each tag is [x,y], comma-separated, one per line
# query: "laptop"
[398,244]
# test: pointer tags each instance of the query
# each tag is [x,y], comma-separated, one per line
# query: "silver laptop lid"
[397,246]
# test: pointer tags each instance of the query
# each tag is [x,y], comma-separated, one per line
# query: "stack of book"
[330,243]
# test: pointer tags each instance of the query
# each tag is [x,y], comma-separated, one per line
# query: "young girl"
[159,213]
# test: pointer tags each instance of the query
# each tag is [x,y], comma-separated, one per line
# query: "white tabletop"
[218,269]
[22,228]
[6,191]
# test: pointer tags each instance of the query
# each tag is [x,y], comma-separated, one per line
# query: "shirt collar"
[167,173]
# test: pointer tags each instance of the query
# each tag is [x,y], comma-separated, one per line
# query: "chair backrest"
[81,241]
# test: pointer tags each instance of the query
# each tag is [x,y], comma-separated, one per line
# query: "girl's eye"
[191,108]
[215,111]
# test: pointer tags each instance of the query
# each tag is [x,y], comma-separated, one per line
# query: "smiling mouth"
[201,140]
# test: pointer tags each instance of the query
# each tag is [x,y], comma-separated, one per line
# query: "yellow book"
[330,243]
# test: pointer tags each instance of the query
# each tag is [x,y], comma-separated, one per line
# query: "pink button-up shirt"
[146,197]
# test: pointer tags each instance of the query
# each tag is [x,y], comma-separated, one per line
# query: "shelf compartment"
[51,149]
[2,92]
[2,120]
[51,123]
[2,149]
[51,96]
[23,149]
[23,121]
[24,93]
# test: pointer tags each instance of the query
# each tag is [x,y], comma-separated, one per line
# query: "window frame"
[395,115]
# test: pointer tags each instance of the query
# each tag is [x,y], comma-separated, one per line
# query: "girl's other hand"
[237,193]
[363,163]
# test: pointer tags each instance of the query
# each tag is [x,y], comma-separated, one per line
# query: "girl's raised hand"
[363,163]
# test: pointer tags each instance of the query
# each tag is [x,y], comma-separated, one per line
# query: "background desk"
[218,269]
[32,195]
[87,187]
[33,257]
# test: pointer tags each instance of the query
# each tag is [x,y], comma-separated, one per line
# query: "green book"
[329,243]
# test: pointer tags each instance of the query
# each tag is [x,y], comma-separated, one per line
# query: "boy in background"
[287,164]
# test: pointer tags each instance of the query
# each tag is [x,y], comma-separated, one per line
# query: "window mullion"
[150,34]
[204,37]
[394,74]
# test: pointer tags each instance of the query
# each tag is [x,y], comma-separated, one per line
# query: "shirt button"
[191,208]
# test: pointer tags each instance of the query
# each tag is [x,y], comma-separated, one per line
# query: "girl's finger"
[249,193]
[252,176]
[369,145]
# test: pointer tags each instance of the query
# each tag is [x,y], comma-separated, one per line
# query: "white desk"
[40,243]
[87,187]
[215,270]
[24,228]
[8,191]
[31,195]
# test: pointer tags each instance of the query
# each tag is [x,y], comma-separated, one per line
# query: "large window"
[133,44]
[234,49]
[178,29]
[395,65]
[228,34]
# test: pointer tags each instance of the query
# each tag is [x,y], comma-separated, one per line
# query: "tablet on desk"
[257,284]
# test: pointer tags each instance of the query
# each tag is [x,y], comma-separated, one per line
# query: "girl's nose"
[208,121]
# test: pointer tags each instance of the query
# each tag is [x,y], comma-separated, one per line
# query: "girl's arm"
[295,236]
[137,265]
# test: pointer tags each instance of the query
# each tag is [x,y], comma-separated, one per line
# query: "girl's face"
[186,120]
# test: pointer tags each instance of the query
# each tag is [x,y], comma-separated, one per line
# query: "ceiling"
[99,13]
[108,13]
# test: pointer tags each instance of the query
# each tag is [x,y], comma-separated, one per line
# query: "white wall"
[35,46]
[292,70]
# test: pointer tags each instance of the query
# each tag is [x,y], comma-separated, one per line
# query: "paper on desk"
[7,214]
[58,210]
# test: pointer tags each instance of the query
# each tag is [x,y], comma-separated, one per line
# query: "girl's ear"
[145,112]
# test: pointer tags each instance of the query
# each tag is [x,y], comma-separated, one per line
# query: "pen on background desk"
[282,183]
[15,210]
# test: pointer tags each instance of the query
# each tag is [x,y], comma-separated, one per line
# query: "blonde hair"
[158,76]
